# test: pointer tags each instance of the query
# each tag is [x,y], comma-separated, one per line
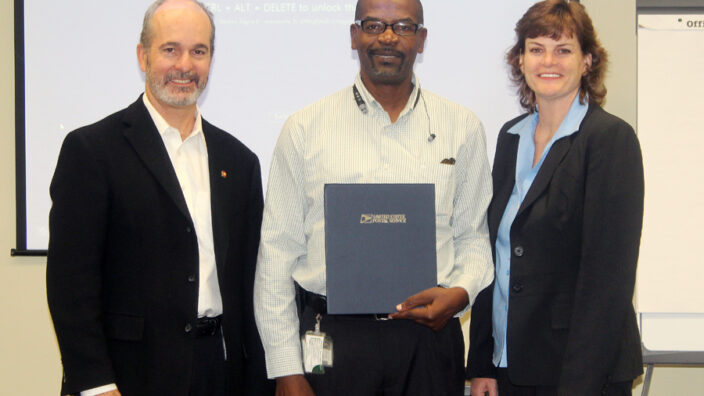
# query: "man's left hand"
[433,307]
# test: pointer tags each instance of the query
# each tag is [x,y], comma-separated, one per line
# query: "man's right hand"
[293,385]
[111,393]
[484,386]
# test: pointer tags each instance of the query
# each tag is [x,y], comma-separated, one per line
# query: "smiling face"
[553,69]
[387,59]
[177,62]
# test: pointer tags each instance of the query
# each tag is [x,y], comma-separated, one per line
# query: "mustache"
[175,75]
[386,52]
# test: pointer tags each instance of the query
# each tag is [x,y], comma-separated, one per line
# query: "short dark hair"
[358,11]
[555,18]
[146,36]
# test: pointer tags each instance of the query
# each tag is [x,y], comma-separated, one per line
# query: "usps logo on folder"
[379,245]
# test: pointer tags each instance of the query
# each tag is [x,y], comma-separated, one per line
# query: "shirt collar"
[162,126]
[373,104]
[569,125]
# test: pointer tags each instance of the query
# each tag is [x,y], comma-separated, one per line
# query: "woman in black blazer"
[565,223]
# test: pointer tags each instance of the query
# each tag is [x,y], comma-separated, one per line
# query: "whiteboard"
[271,58]
[669,294]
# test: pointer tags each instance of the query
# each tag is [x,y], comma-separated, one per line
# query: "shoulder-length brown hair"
[554,19]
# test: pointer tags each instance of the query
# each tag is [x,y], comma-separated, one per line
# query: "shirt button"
[188,328]
[191,278]
[518,251]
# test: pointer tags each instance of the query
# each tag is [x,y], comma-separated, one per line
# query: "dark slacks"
[208,374]
[507,388]
[388,358]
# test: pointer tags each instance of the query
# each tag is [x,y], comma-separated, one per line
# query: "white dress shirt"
[190,161]
[333,141]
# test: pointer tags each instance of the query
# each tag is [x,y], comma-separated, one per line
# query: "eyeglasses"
[376,27]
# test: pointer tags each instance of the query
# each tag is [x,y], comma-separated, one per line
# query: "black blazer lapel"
[542,179]
[504,177]
[142,134]
[219,173]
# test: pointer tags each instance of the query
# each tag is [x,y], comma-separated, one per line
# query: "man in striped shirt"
[383,129]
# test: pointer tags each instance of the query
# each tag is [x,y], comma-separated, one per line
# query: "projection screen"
[76,64]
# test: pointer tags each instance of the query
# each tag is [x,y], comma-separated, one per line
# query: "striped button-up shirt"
[334,141]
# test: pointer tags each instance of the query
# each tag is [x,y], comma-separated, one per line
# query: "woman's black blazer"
[574,249]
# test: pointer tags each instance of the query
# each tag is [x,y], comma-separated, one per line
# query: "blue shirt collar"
[526,127]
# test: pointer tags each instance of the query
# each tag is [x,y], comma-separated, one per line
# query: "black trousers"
[507,388]
[208,374]
[388,358]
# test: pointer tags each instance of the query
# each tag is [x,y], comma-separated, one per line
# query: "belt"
[207,326]
[319,304]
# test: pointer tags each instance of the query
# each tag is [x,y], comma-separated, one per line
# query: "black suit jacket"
[574,248]
[122,270]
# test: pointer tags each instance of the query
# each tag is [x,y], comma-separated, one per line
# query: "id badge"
[317,349]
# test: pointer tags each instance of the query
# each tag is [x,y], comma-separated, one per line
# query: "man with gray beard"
[154,231]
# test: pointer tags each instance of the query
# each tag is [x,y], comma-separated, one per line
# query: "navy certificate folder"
[379,245]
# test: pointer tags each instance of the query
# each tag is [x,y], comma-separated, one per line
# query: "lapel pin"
[223,174]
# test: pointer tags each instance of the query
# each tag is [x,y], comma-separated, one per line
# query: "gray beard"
[164,94]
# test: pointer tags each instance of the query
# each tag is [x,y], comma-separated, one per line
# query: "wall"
[29,359]
[615,21]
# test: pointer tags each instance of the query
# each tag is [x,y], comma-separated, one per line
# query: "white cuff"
[99,390]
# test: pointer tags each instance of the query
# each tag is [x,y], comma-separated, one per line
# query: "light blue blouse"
[525,174]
